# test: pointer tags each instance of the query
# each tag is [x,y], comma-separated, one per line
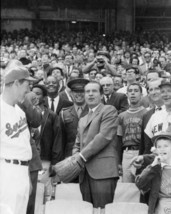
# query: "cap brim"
[31,79]
[157,137]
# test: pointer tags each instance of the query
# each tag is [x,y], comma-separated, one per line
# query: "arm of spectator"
[32,111]
[110,68]
[88,67]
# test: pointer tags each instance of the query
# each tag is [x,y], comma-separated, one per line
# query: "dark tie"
[107,98]
[52,104]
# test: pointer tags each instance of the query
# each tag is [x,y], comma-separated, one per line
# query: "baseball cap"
[77,84]
[163,134]
[17,73]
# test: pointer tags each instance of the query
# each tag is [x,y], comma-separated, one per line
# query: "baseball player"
[15,149]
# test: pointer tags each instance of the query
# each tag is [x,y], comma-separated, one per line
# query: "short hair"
[97,83]
[137,84]
[153,71]
[131,60]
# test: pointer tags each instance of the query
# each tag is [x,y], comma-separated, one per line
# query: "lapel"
[97,111]
[45,116]
[73,112]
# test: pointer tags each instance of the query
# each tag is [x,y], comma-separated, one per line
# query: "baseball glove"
[69,169]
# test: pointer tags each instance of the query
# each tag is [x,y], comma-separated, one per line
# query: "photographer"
[101,62]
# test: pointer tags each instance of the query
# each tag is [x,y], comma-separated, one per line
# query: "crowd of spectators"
[129,67]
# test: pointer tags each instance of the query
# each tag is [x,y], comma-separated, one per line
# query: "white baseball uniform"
[14,145]
[158,122]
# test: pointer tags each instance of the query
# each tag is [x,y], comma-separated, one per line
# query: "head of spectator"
[52,86]
[154,92]
[127,55]
[76,72]
[91,57]
[152,75]
[131,74]
[57,72]
[163,62]
[107,85]
[155,54]
[134,93]
[134,61]
[13,55]
[147,56]
[99,76]
[77,90]
[68,59]
[102,57]
[40,92]
[165,88]
[92,74]
[39,74]
[118,82]
[93,94]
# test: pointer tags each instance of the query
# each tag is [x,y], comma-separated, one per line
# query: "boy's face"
[164,149]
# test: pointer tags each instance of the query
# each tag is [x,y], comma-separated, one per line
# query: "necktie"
[89,115]
[79,111]
[107,98]
[52,104]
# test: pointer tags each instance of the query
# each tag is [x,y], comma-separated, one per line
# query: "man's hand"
[158,160]
[79,160]
[137,161]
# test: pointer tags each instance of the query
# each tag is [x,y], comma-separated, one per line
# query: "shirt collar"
[93,109]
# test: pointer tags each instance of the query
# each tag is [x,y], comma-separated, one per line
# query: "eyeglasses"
[107,85]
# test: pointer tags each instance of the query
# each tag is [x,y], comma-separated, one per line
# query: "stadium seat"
[68,191]
[126,208]
[62,206]
[126,192]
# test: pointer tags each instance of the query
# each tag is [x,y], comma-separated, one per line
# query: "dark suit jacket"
[50,138]
[146,143]
[63,102]
[69,124]
[95,140]
[119,101]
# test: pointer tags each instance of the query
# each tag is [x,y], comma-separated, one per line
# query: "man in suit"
[118,100]
[97,146]
[54,100]
[69,116]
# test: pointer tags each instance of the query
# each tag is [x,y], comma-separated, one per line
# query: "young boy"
[156,178]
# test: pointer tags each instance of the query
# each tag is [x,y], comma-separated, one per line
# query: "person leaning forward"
[95,145]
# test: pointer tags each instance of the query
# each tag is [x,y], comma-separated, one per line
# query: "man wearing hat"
[69,117]
[155,178]
[15,151]
[160,120]
[102,61]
